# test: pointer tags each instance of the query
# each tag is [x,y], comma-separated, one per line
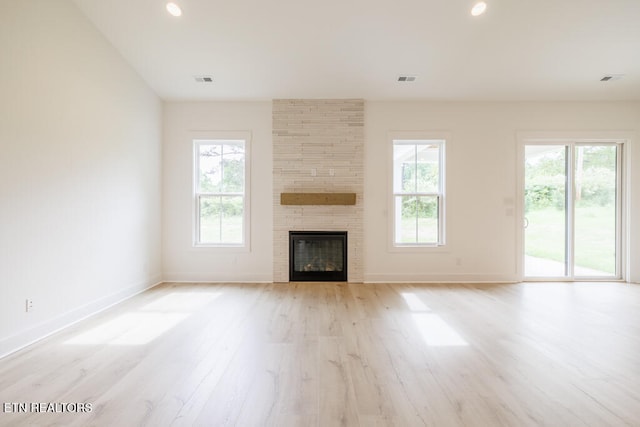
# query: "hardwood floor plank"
[332,354]
[301,383]
[337,403]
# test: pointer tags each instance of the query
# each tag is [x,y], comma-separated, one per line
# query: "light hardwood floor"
[332,354]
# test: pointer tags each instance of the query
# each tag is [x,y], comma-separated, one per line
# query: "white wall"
[481,185]
[79,172]
[481,182]
[181,261]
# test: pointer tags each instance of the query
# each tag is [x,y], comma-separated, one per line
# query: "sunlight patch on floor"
[142,326]
[435,331]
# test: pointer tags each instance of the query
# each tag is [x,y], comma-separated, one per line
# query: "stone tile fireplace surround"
[318,148]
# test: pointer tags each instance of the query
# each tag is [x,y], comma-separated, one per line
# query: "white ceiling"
[261,49]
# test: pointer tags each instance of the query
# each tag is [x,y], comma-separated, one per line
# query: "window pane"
[210,173]
[210,219]
[427,168]
[404,168]
[232,215]
[595,210]
[221,219]
[416,171]
[418,220]
[220,173]
[427,219]
[233,167]
[406,228]
[545,211]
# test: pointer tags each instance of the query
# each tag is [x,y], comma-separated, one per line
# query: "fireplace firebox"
[319,256]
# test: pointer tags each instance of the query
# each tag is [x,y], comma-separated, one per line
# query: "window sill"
[219,248]
[418,248]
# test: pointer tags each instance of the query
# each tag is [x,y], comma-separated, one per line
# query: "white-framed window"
[418,167]
[221,195]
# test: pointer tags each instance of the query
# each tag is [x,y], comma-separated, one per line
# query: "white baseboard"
[438,278]
[216,278]
[371,278]
[23,339]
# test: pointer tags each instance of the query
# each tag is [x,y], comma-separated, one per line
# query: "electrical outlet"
[28,305]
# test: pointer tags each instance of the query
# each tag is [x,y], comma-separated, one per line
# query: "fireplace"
[319,256]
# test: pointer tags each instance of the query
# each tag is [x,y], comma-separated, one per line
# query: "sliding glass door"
[545,205]
[572,210]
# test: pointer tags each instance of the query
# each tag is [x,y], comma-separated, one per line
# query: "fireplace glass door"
[318,256]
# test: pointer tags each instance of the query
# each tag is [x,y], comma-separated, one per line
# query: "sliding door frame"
[572,140]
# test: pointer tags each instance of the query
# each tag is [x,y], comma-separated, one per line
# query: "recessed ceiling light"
[478,8]
[174,9]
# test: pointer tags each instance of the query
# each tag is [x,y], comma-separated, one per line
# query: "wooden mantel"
[317,198]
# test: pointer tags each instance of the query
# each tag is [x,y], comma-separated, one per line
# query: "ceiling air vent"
[407,78]
[611,77]
[203,79]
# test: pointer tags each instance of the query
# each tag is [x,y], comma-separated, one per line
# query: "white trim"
[580,279]
[570,207]
[47,328]
[519,208]
[627,187]
[190,277]
[439,278]
[574,136]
